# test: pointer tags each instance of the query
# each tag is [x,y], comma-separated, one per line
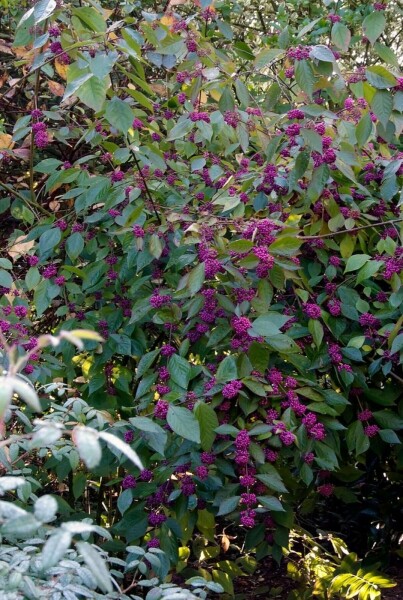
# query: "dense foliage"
[215,189]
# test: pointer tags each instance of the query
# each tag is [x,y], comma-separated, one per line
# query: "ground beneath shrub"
[268,581]
[395,593]
[271,582]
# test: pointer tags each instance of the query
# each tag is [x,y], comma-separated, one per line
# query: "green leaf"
[305,77]
[75,79]
[228,505]
[6,280]
[179,370]
[389,436]
[179,130]
[308,27]
[242,93]
[26,392]
[225,29]
[93,92]
[74,245]
[48,165]
[226,101]
[397,344]
[382,104]
[272,479]
[119,114]
[356,342]
[286,245]
[49,239]
[319,178]
[23,526]
[341,36]
[356,261]
[227,370]
[363,130]
[316,329]
[45,508]
[183,423]
[208,422]
[388,419]
[301,164]
[96,565]
[41,297]
[155,435]
[6,394]
[369,270]
[312,139]
[283,343]
[43,9]
[244,51]
[145,362]
[273,95]
[269,324]
[271,502]
[88,446]
[380,77]
[55,548]
[267,56]
[356,439]
[155,246]
[322,53]
[240,246]
[196,279]
[386,54]
[373,25]
[115,442]
[91,18]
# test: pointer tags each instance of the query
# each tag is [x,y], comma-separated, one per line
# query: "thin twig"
[353,230]
[29,203]
[147,189]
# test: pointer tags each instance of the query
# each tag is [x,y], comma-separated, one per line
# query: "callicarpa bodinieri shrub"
[215,188]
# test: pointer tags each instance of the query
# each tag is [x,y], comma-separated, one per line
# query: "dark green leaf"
[363,130]
[341,36]
[184,423]
[305,76]
[382,104]
[208,422]
[119,114]
[179,370]
[373,25]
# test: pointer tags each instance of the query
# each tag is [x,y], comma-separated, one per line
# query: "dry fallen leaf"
[168,20]
[3,78]
[56,88]
[176,3]
[22,153]
[20,247]
[25,52]
[61,69]
[6,141]
[225,542]
[159,89]
[54,205]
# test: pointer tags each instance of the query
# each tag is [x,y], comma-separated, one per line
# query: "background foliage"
[215,189]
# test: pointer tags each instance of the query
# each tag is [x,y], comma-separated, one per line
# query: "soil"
[267,582]
[395,593]
[271,582]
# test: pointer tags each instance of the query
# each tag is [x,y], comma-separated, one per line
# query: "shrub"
[225,212]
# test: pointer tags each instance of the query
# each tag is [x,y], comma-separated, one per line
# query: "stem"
[32,145]
[149,196]
[29,203]
[327,235]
